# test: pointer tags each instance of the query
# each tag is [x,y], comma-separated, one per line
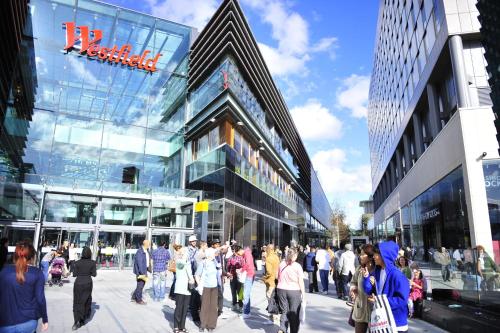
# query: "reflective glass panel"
[70,208]
[124,212]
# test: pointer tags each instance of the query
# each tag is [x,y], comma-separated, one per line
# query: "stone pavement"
[113,312]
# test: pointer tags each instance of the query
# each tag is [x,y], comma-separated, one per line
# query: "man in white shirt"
[346,267]
[323,260]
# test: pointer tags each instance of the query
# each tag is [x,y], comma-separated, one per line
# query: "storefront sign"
[79,38]
[430,214]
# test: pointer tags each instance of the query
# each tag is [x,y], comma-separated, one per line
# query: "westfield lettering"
[84,44]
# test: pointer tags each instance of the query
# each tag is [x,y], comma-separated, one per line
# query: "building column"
[459,74]
[398,164]
[434,113]
[417,131]
[407,152]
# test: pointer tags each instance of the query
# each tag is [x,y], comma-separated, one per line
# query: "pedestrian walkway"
[113,312]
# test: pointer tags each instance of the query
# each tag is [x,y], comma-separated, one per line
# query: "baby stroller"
[56,271]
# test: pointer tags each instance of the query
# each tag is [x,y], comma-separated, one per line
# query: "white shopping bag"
[382,319]
[302,314]
[259,265]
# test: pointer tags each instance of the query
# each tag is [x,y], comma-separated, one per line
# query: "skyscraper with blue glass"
[116,123]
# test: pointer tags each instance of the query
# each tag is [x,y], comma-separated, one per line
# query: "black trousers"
[195,305]
[220,299]
[313,281]
[82,301]
[235,288]
[171,292]
[338,284]
[137,295]
[180,313]
[289,301]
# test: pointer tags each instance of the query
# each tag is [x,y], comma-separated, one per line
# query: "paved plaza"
[113,311]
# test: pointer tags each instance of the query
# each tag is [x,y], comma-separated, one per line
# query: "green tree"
[339,228]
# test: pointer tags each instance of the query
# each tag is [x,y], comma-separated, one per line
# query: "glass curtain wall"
[92,120]
[250,228]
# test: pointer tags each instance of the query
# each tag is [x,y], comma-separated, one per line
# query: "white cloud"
[291,31]
[325,44]
[195,13]
[353,95]
[315,122]
[339,178]
[280,63]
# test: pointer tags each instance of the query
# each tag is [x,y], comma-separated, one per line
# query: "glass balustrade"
[228,76]
[225,156]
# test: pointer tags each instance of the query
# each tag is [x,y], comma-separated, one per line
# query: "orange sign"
[83,43]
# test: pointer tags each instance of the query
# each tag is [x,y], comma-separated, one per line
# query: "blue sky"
[320,53]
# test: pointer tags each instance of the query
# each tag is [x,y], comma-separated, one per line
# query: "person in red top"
[416,291]
[233,264]
[248,268]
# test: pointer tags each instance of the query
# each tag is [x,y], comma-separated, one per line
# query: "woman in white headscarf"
[184,278]
[206,276]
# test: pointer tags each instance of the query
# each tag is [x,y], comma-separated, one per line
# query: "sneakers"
[325,292]
[246,316]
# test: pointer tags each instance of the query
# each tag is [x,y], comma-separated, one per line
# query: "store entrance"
[53,239]
[109,248]
[116,249]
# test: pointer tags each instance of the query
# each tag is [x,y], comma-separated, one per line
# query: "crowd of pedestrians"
[370,279]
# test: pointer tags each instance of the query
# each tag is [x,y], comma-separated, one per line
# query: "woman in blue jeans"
[247,268]
[22,293]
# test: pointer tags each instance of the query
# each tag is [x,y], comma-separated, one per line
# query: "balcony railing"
[227,157]
[228,77]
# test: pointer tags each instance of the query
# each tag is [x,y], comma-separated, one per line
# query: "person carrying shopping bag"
[392,288]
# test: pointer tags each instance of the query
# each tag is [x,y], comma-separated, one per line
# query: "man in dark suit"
[141,264]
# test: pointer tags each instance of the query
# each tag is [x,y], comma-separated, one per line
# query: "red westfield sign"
[83,43]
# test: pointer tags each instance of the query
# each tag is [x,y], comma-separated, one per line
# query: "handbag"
[351,321]
[171,266]
[302,313]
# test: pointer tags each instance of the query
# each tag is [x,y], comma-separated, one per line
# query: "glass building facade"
[104,144]
[92,149]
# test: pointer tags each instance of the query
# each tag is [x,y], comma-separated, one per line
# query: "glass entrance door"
[133,241]
[51,239]
[109,248]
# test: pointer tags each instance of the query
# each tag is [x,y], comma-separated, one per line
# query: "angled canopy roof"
[229,33]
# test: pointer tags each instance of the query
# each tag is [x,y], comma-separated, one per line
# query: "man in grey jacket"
[347,269]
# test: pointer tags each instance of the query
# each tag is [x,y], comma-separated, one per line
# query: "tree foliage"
[339,228]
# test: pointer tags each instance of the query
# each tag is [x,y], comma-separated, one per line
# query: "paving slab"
[113,312]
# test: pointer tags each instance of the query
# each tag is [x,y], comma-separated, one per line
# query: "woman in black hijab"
[83,269]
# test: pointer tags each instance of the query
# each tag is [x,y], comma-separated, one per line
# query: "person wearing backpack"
[389,281]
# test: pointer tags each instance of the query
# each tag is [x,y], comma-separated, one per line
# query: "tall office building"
[116,124]
[433,148]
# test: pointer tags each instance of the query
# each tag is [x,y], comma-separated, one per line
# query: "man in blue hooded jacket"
[390,281]
[311,267]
